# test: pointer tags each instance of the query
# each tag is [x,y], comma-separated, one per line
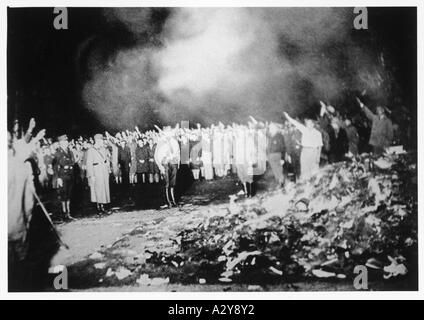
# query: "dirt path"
[85,236]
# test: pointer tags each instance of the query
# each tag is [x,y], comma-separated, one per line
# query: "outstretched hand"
[40,135]
[31,125]
[323,108]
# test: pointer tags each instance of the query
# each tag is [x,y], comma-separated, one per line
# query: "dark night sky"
[47,67]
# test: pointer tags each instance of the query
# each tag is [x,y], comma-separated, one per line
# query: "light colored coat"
[98,166]
[20,197]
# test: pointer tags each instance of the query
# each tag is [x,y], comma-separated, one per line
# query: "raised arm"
[323,109]
[28,133]
[370,115]
[297,124]
[158,157]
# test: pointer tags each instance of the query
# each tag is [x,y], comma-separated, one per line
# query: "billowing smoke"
[224,64]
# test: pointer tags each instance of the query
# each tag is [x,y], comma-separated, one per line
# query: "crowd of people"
[292,148]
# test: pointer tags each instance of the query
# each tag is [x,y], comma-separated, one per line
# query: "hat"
[63,137]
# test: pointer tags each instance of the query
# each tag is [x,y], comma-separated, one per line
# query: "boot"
[173,197]
[249,190]
[68,211]
[99,209]
[167,198]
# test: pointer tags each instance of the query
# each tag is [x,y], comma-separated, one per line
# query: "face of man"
[335,126]
[309,123]
[98,142]
[54,146]
[273,129]
[380,111]
[64,144]
[348,122]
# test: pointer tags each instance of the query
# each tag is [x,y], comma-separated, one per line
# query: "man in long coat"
[98,170]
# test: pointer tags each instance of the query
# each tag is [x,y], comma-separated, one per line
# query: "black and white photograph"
[212,149]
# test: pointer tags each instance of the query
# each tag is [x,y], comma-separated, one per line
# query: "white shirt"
[311,138]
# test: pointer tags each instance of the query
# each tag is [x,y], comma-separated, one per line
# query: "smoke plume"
[224,64]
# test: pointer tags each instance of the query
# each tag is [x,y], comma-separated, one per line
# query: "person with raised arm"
[381,130]
[311,144]
[167,157]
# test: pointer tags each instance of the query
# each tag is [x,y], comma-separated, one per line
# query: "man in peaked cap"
[98,171]
[63,165]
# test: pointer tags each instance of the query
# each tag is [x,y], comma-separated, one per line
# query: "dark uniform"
[124,158]
[339,145]
[153,167]
[292,141]
[63,168]
[48,162]
[142,155]
[276,152]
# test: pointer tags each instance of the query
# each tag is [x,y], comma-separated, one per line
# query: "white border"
[201,295]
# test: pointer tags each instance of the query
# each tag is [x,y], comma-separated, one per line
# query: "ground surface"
[88,235]
[134,227]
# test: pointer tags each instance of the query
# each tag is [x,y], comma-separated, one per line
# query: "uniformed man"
[167,157]
[276,152]
[124,158]
[292,138]
[382,129]
[311,146]
[153,167]
[64,171]
[352,136]
[142,155]
[98,172]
